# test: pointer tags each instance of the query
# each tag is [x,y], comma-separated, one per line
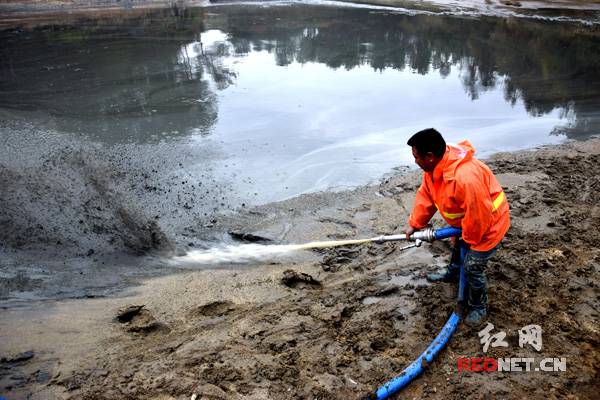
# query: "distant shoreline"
[484,7]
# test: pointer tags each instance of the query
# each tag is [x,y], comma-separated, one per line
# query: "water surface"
[301,98]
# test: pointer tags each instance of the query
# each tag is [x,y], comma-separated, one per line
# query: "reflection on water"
[318,96]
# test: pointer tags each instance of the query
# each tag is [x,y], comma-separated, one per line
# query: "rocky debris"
[26,356]
[126,314]
[249,237]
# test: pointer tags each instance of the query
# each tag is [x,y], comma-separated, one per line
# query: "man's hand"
[409,231]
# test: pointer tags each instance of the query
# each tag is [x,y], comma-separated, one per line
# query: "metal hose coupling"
[426,235]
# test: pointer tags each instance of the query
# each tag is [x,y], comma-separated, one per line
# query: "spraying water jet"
[257,252]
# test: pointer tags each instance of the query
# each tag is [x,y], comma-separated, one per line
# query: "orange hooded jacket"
[468,196]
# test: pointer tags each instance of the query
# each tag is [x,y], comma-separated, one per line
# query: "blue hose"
[442,338]
[447,232]
[417,366]
[463,280]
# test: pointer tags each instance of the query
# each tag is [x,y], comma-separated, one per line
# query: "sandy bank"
[337,323]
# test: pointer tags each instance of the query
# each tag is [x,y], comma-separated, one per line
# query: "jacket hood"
[456,154]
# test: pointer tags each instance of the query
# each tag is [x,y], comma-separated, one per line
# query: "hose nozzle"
[427,235]
[391,238]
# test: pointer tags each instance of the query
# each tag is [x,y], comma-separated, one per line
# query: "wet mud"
[330,323]
[337,323]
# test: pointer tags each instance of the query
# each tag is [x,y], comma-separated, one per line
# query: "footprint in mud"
[136,319]
[299,280]
[214,309]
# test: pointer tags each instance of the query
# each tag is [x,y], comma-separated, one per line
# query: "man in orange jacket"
[468,196]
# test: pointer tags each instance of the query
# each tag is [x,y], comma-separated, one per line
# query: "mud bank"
[580,10]
[336,323]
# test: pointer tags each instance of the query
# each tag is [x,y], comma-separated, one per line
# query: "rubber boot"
[475,317]
[478,311]
[451,275]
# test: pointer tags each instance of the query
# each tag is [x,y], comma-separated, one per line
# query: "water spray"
[257,252]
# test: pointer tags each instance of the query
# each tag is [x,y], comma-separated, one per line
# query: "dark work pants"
[474,270]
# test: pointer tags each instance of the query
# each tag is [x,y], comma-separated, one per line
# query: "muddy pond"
[123,124]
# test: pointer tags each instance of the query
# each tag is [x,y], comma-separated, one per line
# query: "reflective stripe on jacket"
[468,196]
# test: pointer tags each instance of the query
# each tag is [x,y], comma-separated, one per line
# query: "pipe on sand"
[440,341]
